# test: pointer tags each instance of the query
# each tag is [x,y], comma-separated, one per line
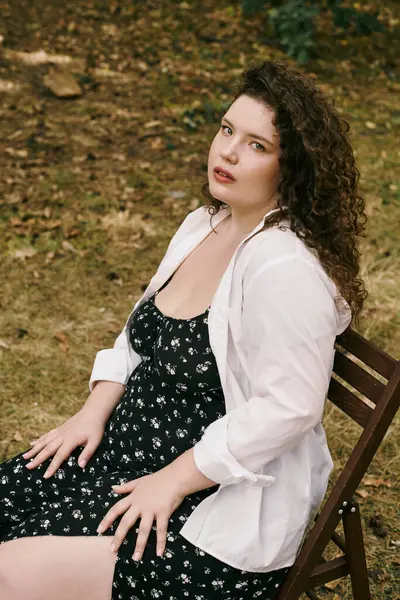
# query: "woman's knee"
[8,572]
[56,568]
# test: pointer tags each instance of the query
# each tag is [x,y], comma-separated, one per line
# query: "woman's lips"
[222,179]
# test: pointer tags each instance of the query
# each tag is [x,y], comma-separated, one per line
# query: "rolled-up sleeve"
[115,364]
[118,363]
[289,325]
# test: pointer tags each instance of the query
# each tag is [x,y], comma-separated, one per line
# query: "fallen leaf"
[49,257]
[13,198]
[25,253]
[72,233]
[362,493]
[167,202]
[17,436]
[61,337]
[68,246]
[110,29]
[152,124]
[15,152]
[376,482]
[49,225]
[62,83]
[157,143]
[331,585]
[41,57]
[15,222]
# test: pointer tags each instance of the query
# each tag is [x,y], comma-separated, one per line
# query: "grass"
[91,207]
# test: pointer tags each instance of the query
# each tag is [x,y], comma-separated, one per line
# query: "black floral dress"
[169,400]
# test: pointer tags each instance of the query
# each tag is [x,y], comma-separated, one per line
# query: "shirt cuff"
[110,365]
[214,459]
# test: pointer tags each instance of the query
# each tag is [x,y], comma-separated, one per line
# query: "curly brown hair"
[318,177]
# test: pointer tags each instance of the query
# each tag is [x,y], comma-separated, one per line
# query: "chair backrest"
[374,408]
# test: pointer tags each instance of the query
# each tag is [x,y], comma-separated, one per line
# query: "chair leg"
[355,553]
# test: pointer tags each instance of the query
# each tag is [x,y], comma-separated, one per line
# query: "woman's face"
[253,162]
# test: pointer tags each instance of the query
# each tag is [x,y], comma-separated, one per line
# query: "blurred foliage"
[204,112]
[294,22]
[294,27]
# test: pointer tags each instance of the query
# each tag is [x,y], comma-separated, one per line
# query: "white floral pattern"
[169,400]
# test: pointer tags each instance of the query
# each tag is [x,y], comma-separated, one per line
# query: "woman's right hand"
[82,429]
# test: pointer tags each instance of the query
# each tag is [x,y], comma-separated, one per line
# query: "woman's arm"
[184,470]
[289,329]
[104,398]
[118,363]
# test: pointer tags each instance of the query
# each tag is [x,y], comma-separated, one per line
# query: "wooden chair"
[375,415]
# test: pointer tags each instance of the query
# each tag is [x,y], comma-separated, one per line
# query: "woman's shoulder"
[192,220]
[279,244]
[282,249]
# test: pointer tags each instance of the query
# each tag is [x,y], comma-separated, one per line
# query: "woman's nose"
[230,153]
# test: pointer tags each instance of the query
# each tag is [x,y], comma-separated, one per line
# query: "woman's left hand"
[155,496]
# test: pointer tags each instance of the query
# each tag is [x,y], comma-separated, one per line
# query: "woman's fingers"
[146,523]
[62,454]
[127,521]
[162,531]
[128,486]
[40,443]
[44,454]
[87,453]
[114,512]
[45,436]
[33,451]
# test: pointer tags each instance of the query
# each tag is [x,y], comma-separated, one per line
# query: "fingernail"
[159,552]
[82,463]
[136,556]
[113,547]
[46,475]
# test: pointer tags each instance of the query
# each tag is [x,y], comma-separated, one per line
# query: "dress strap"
[164,284]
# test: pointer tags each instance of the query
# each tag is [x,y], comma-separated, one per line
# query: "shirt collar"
[262,222]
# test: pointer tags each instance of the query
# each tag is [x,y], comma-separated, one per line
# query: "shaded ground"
[93,188]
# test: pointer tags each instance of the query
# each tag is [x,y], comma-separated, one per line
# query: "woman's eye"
[262,147]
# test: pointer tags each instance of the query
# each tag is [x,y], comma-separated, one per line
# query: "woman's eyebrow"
[260,137]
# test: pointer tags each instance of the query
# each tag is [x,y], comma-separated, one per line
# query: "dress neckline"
[176,318]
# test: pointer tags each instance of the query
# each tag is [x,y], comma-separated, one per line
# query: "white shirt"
[272,327]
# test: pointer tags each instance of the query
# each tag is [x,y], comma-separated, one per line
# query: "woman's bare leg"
[57,568]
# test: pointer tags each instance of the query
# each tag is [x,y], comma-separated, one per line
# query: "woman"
[206,413]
